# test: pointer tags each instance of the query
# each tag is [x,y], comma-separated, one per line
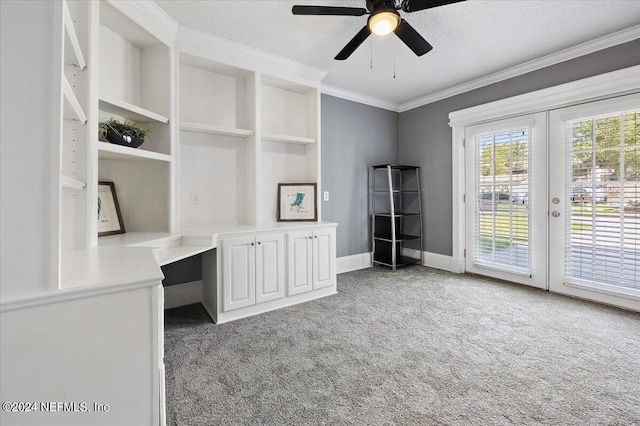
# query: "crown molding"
[359,97]
[149,16]
[582,49]
[158,15]
[207,45]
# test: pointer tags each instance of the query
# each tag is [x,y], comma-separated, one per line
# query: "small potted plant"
[123,133]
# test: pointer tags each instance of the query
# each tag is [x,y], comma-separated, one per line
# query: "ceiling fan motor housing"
[375,5]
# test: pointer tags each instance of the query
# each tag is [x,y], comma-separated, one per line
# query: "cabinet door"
[269,267]
[324,258]
[238,273]
[300,259]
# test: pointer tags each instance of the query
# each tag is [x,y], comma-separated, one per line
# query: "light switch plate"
[326,195]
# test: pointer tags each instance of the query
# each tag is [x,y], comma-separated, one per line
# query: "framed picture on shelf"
[297,202]
[109,216]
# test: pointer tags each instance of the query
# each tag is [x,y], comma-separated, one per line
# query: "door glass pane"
[603,189]
[502,207]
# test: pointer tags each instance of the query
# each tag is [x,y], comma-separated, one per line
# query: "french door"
[594,191]
[553,200]
[505,213]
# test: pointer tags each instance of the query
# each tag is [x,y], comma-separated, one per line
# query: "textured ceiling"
[471,39]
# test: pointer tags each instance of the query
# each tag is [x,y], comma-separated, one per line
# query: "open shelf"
[399,237]
[72,51]
[119,152]
[72,108]
[214,130]
[69,182]
[395,215]
[287,139]
[400,261]
[288,109]
[395,191]
[130,111]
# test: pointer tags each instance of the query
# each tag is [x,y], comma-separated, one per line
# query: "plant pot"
[131,141]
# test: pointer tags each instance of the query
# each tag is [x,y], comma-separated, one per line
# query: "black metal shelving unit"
[396,219]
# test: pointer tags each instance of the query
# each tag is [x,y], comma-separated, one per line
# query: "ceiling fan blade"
[354,43]
[412,38]
[415,5]
[328,10]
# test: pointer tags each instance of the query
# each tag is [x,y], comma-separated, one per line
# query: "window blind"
[602,220]
[502,208]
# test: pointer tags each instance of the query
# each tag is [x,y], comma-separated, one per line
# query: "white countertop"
[132,260]
[97,271]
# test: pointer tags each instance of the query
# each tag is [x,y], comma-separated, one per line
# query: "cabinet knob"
[259,242]
[315,236]
[251,243]
[310,238]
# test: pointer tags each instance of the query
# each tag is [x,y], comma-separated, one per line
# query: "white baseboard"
[432,260]
[354,262]
[182,294]
[437,261]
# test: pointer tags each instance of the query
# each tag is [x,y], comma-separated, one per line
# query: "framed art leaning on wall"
[109,216]
[297,202]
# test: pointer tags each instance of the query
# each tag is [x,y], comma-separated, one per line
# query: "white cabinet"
[324,258]
[269,267]
[252,271]
[104,348]
[300,262]
[311,260]
[239,273]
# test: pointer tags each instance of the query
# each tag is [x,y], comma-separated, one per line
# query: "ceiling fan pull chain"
[371,50]
[394,59]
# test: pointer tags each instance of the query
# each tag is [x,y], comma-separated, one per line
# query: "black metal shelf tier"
[395,240]
[400,261]
[399,238]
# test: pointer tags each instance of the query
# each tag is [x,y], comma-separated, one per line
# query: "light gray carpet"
[418,346]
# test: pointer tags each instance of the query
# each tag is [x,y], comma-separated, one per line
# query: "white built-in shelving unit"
[228,124]
[289,148]
[135,84]
[245,131]
[217,142]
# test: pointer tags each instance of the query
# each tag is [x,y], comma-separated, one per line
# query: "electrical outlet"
[326,195]
[195,197]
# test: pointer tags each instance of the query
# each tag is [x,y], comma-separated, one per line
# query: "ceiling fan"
[383,20]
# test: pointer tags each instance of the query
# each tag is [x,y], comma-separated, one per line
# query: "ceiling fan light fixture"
[384,22]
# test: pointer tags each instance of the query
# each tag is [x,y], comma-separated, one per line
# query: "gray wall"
[425,135]
[354,137]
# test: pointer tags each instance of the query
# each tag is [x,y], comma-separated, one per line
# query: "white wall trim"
[358,97]
[431,260]
[601,43]
[437,261]
[615,83]
[354,262]
[182,294]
